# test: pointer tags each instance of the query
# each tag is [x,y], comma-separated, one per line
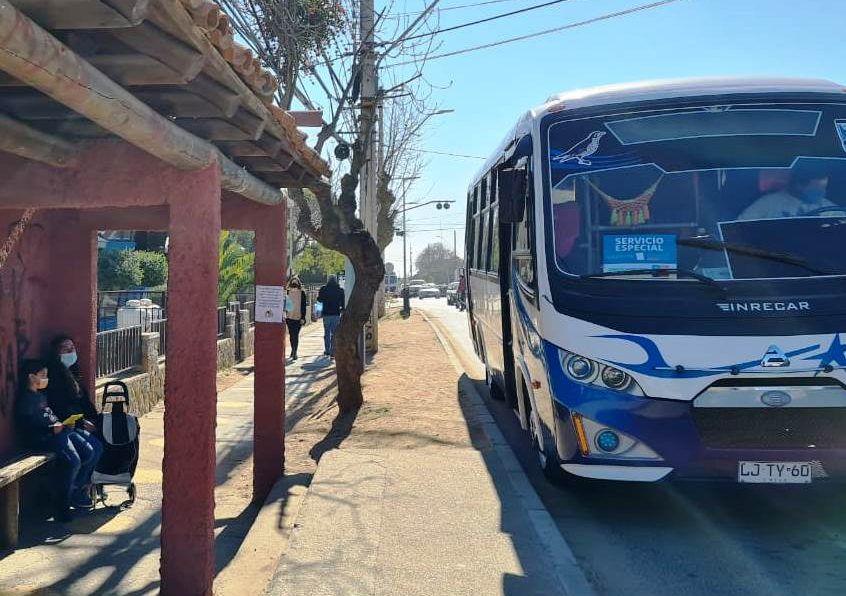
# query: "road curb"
[265,544]
[570,576]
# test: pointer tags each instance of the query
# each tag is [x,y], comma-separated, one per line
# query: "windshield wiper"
[658,273]
[742,249]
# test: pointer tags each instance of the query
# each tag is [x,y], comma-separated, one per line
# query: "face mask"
[68,359]
[813,195]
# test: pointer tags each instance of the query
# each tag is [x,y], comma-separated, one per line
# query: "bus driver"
[804,194]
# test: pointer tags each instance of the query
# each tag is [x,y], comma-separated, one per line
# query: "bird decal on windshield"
[581,150]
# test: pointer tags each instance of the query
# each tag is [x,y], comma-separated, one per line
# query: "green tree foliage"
[128,269]
[437,264]
[245,238]
[153,268]
[119,270]
[316,263]
[237,267]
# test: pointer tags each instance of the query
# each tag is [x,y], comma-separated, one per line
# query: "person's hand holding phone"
[57,427]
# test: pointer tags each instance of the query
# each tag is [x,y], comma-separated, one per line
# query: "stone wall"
[146,386]
[226,353]
[248,334]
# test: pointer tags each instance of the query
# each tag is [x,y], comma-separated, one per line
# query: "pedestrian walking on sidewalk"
[296,307]
[462,292]
[332,297]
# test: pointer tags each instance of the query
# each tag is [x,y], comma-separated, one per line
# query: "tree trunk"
[369,272]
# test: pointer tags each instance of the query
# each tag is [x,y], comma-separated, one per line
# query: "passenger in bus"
[805,193]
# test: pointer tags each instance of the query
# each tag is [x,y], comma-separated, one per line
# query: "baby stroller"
[119,431]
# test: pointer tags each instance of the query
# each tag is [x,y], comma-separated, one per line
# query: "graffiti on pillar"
[15,340]
[20,342]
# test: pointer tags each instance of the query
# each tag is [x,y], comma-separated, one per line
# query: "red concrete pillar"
[187,556]
[269,389]
[73,276]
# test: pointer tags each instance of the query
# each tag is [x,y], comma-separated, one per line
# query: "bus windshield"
[725,192]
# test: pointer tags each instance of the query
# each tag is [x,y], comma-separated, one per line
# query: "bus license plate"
[774,472]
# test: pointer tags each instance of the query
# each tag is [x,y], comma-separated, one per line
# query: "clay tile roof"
[211,19]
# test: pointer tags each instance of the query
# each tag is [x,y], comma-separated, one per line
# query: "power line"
[485,20]
[435,230]
[604,17]
[444,152]
[445,9]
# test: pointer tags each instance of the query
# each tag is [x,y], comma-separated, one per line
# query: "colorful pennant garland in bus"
[628,212]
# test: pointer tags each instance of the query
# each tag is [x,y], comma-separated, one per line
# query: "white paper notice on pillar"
[270,304]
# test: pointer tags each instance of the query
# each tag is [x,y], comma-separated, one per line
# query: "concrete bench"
[11,473]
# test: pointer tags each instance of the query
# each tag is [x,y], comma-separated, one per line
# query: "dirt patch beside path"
[411,401]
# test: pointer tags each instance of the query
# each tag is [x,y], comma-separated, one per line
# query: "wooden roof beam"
[168,50]
[24,141]
[84,14]
[135,70]
[32,55]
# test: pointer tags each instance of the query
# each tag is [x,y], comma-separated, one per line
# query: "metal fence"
[251,307]
[118,350]
[221,321]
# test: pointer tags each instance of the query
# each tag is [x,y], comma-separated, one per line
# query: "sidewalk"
[423,495]
[111,552]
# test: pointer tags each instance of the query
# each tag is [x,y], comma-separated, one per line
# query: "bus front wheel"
[544,446]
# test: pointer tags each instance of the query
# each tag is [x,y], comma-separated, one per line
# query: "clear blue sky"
[489,89]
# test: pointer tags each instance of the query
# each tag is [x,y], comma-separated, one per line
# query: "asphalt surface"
[682,537]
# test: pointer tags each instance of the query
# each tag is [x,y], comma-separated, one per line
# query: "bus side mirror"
[512,194]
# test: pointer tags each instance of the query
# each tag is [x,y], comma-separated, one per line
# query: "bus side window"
[485,256]
[477,231]
[470,241]
[494,266]
[524,249]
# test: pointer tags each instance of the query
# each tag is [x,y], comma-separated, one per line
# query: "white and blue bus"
[657,279]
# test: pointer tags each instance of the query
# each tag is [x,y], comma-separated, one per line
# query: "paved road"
[683,538]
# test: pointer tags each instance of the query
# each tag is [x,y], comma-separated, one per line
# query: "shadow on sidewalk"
[516,521]
[341,428]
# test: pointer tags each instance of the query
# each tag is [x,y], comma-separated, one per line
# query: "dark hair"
[56,344]
[56,360]
[295,282]
[30,366]
[805,172]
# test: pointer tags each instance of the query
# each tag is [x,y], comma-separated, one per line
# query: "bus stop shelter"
[144,115]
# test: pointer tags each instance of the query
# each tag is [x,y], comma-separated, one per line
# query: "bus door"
[518,286]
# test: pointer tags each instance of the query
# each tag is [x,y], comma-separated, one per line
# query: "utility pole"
[370,171]
[455,252]
[406,304]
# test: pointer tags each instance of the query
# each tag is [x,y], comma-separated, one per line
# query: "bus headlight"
[589,372]
[614,378]
[580,369]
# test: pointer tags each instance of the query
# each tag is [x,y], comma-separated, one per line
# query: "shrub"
[119,270]
[153,268]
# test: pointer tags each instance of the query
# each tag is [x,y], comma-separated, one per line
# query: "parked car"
[442,288]
[429,291]
[452,292]
[414,286]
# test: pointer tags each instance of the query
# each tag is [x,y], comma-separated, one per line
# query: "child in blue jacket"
[42,430]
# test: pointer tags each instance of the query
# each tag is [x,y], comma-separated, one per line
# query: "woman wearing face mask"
[66,392]
[41,429]
[295,314]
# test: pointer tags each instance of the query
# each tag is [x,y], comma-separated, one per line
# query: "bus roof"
[661,89]
[655,90]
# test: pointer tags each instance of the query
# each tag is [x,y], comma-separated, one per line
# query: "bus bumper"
[675,440]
